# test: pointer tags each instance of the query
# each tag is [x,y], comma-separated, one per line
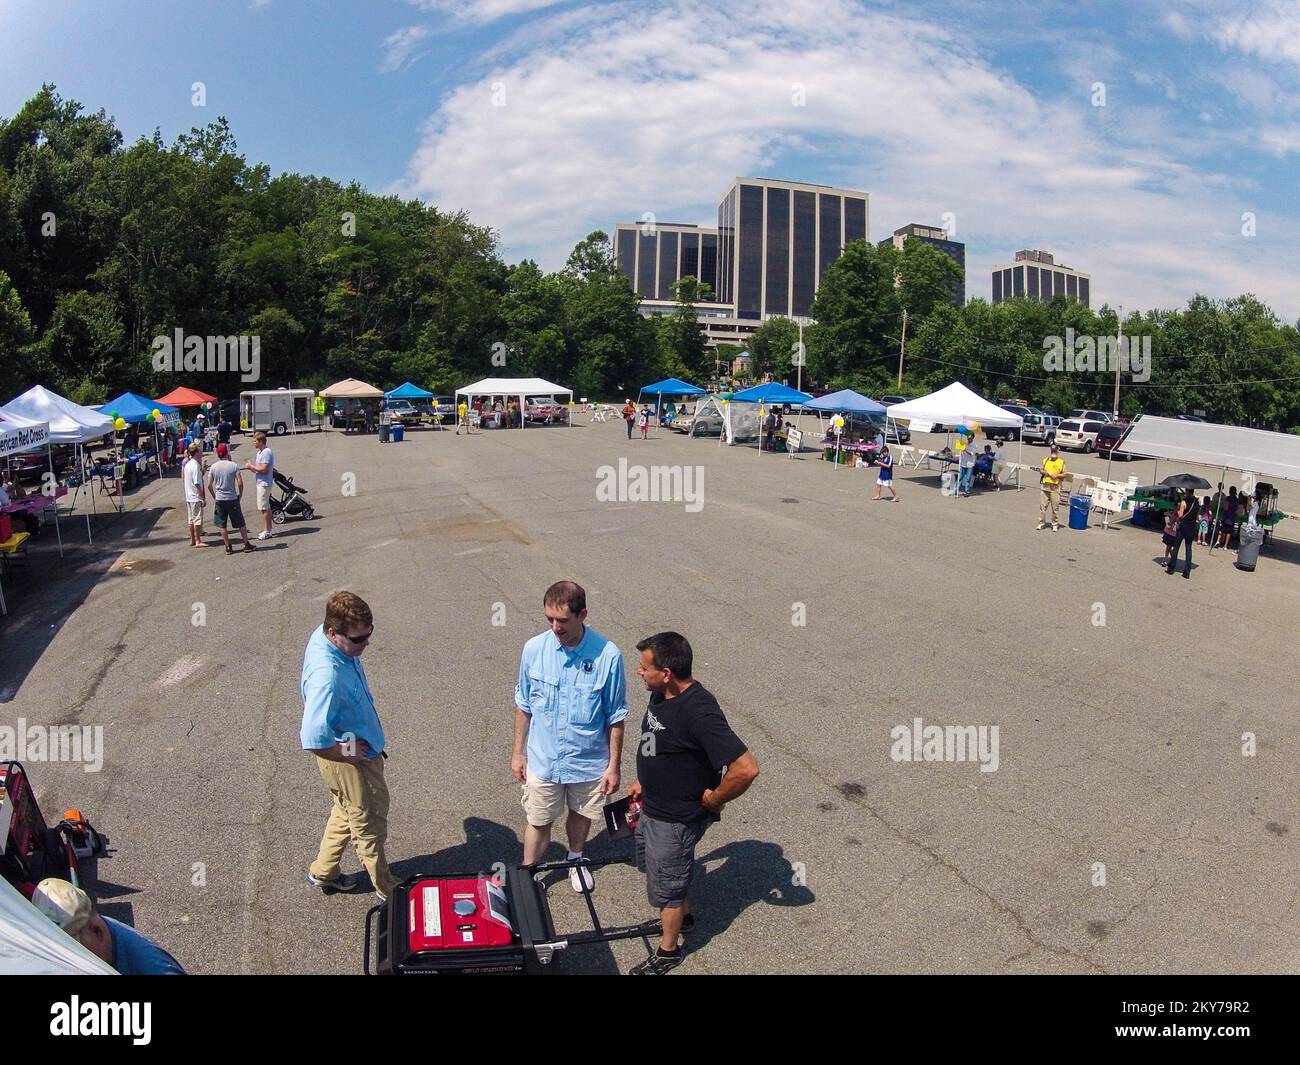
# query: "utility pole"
[1118,348]
[902,341]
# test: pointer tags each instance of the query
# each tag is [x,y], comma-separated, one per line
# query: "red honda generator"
[30,850]
[471,923]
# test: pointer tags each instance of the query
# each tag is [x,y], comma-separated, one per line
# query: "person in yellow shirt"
[1052,469]
[462,417]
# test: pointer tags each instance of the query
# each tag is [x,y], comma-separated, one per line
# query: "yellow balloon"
[120,424]
[961,443]
[157,413]
[975,425]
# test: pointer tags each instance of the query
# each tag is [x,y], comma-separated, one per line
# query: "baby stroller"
[291,502]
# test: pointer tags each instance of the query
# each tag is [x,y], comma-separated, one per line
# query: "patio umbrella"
[1183,481]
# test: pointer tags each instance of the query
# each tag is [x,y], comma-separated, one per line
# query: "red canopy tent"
[186,397]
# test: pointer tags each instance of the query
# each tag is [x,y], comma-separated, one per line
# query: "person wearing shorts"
[227,487]
[570,703]
[885,478]
[192,476]
[686,747]
[263,465]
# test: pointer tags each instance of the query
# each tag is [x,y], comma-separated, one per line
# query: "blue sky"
[547,120]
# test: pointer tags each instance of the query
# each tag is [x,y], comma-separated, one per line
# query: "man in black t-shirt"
[684,747]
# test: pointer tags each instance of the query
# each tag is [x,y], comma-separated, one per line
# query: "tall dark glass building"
[774,242]
[1034,275]
[936,238]
[655,255]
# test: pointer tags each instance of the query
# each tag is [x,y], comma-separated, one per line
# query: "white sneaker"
[264,536]
[587,880]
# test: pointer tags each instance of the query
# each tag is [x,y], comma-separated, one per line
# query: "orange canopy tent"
[186,397]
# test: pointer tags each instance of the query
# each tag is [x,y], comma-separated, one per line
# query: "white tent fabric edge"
[32,945]
[1258,451]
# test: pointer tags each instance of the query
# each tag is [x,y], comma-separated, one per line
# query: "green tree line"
[105,246]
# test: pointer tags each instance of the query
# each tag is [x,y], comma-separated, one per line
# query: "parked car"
[1092,415]
[707,424]
[229,409]
[403,412]
[1075,435]
[346,414]
[859,426]
[1109,441]
[1190,418]
[546,410]
[1038,428]
[889,401]
[439,409]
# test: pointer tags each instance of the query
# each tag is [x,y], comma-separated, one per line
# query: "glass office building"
[776,239]
[655,256]
[936,238]
[1035,275]
[774,242]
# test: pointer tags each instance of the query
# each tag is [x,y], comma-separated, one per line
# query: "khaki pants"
[1049,499]
[360,815]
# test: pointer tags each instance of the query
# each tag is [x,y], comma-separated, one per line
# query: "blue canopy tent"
[669,386]
[846,400]
[133,409]
[765,396]
[406,390]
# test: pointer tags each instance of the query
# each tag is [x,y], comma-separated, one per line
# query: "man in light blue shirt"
[570,703]
[340,726]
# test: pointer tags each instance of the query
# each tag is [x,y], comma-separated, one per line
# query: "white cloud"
[613,111]
[479,12]
[1270,31]
[400,48]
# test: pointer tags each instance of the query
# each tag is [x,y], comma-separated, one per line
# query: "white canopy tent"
[513,388]
[1229,447]
[954,404]
[69,423]
[19,434]
[33,945]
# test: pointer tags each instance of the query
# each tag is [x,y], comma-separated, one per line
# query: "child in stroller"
[290,502]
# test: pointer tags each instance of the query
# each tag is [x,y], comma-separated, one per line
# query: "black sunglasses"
[358,639]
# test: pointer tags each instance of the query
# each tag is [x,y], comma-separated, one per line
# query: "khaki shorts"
[193,513]
[543,802]
[263,497]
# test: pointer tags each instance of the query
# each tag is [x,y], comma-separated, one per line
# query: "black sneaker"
[250,546]
[229,550]
[658,964]
[344,883]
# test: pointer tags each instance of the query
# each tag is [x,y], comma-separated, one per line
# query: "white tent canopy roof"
[513,386]
[1249,450]
[69,423]
[351,388]
[953,404]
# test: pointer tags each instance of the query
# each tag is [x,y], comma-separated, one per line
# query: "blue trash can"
[1079,511]
[398,432]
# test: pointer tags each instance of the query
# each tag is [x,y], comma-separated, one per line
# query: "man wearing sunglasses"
[340,726]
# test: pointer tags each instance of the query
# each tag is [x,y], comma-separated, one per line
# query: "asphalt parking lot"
[820,619]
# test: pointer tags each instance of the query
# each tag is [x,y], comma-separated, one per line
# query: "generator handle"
[370,913]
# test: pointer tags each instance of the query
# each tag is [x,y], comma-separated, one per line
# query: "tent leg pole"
[54,499]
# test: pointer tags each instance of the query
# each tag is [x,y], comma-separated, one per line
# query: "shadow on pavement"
[42,598]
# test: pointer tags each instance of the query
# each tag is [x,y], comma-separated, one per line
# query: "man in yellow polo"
[1052,470]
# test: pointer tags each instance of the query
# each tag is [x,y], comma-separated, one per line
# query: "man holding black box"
[685,745]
